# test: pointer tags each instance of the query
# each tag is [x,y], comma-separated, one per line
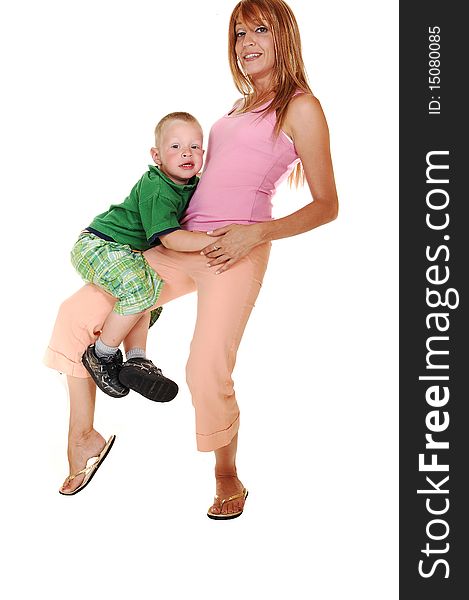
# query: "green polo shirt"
[154,207]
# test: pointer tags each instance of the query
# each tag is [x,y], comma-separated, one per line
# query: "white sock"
[103,351]
[135,353]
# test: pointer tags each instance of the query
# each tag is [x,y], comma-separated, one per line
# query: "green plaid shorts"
[119,270]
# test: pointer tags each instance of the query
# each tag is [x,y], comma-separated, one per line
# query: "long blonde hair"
[289,74]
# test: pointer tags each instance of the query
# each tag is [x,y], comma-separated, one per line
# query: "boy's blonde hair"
[289,74]
[174,116]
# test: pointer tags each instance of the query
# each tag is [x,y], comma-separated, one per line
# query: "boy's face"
[179,153]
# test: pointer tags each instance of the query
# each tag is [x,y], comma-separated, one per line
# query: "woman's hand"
[236,241]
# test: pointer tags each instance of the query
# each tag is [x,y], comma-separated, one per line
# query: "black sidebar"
[434,267]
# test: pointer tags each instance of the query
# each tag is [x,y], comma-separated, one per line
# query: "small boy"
[109,253]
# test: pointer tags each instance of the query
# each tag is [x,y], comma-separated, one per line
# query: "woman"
[277,129]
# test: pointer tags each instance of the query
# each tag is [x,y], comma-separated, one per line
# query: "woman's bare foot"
[227,485]
[81,448]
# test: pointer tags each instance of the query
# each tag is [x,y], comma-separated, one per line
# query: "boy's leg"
[127,276]
[117,327]
[139,373]
[137,336]
[103,359]
[137,290]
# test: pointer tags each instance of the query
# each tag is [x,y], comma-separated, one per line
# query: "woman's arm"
[186,241]
[306,125]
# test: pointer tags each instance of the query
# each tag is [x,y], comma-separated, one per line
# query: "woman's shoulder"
[303,101]
[304,106]
[303,109]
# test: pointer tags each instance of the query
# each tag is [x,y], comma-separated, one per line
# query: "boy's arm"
[186,241]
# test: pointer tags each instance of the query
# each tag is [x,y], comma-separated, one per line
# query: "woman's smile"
[252,56]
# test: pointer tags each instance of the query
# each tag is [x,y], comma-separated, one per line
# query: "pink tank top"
[244,166]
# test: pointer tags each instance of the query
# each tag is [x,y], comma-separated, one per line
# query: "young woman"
[277,129]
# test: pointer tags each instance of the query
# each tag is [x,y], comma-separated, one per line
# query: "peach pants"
[224,303]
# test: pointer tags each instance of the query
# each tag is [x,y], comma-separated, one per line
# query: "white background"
[83,86]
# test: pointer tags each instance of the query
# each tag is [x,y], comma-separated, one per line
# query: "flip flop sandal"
[90,470]
[221,517]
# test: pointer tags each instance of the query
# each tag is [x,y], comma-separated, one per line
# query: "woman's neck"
[258,97]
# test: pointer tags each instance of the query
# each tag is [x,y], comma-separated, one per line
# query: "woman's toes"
[65,487]
[69,486]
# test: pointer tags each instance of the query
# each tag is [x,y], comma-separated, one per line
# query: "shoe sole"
[153,389]
[107,391]
[224,517]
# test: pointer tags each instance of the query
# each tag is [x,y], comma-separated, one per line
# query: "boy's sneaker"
[142,376]
[105,372]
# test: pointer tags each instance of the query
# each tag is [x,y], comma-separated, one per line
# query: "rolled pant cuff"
[214,441]
[59,362]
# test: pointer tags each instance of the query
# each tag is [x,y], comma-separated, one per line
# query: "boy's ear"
[155,156]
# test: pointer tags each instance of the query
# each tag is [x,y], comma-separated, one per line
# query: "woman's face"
[255,50]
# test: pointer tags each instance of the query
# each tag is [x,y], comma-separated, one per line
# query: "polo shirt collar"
[189,186]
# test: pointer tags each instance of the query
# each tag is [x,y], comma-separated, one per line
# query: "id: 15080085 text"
[434,73]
